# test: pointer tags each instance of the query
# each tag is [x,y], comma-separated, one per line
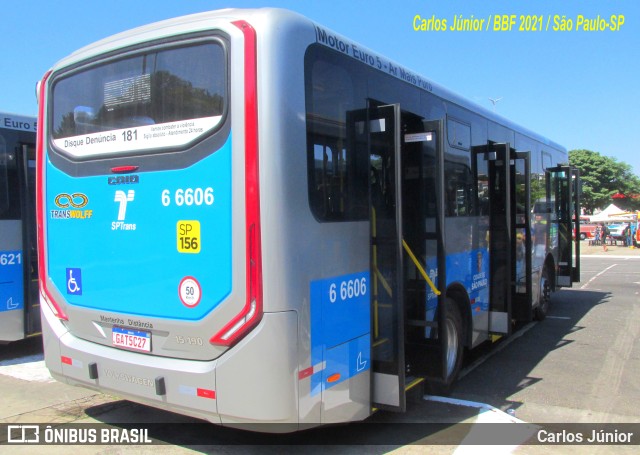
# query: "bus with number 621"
[248,218]
[19,298]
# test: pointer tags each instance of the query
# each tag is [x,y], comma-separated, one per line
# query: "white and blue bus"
[19,300]
[248,218]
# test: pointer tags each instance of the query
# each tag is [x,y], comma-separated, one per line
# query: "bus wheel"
[452,344]
[544,297]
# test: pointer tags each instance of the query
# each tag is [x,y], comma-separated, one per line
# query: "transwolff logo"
[123,198]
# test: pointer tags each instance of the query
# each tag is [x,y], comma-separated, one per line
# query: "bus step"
[414,389]
[411,381]
[422,323]
[423,359]
[379,341]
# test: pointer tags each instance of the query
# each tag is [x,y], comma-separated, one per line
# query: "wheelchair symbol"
[74,281]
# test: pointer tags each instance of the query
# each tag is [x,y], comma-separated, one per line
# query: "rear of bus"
[149,222]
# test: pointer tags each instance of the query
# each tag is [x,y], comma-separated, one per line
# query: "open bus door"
[522,248]
[563,190]
[406,181]
[508,194]
[381,125]
[499,194]
[430,350]
[407,239]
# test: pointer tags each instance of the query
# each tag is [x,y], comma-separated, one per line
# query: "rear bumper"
[251,383]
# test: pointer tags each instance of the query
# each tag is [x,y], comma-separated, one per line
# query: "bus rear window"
[162,99]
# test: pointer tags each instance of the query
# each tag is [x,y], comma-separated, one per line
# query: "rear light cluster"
[251,314]
[40,202]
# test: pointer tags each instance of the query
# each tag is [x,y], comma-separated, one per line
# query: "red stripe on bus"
[66,360]
[251,314]
[305,373]
[205,393]
[40,203]
[123,169]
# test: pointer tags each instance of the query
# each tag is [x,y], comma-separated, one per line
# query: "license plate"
[131,339]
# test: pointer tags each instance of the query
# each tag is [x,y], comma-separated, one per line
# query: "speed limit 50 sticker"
[190,291]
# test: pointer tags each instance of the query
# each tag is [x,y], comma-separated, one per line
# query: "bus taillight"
[233,331]
[252,311]
[40,203]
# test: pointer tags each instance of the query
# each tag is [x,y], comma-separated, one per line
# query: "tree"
[602,177]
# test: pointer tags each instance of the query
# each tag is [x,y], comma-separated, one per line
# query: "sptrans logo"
[123,199]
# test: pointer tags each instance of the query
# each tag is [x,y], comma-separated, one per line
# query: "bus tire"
[544,296]
[453,344]
[583,236]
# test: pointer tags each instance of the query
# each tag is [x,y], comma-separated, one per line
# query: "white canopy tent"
[613,214]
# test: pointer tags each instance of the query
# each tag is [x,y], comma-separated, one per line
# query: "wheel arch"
[457,292]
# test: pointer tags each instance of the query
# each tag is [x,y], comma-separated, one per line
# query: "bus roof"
[265,17]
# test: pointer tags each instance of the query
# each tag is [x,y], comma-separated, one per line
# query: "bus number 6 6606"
[347,289]
[188,197]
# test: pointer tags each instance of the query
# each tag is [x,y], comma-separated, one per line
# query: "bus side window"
[547,160]
[329,181]
[482,187]
[337,163]
[459,194]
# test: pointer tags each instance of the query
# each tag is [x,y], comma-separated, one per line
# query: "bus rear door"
[563,183]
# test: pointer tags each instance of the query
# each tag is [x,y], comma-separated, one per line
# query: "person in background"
[628,238]
[604,233]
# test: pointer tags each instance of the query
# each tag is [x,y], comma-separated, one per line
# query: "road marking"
[584,286]
[495,414]
[558,317]
[486,414]
[611,256]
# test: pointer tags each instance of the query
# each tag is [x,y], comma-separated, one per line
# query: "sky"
[579,88]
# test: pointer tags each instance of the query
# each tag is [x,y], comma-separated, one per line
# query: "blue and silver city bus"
[19,301]
[248,218]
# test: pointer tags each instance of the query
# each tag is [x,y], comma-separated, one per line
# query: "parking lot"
[580,365]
